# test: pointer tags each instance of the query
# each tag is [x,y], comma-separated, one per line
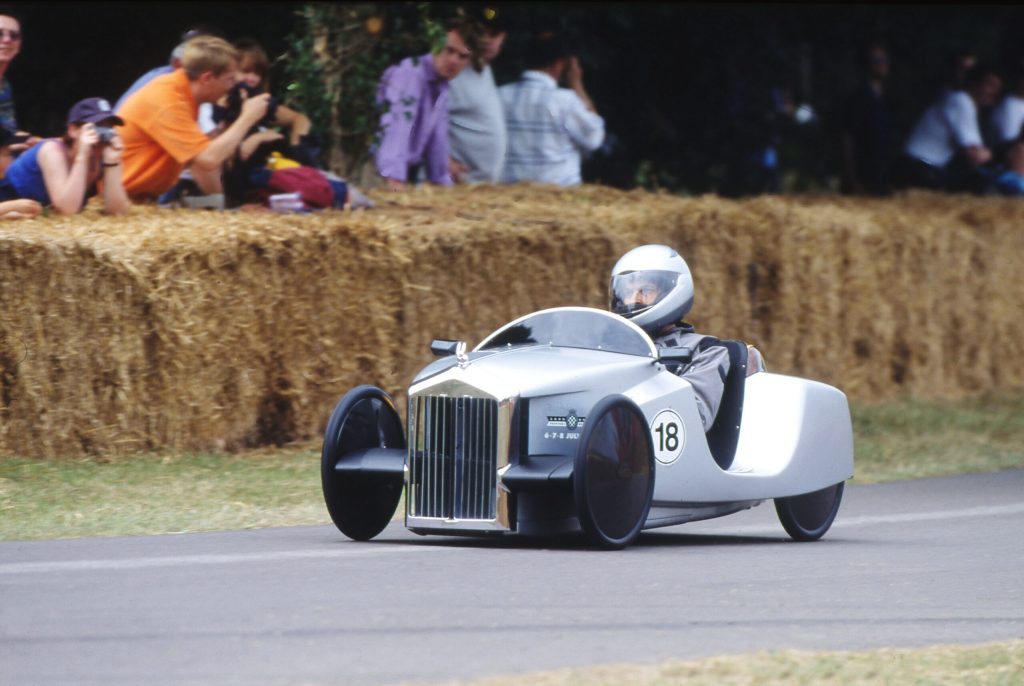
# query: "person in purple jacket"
[414,126]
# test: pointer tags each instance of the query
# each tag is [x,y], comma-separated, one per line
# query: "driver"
[652,286]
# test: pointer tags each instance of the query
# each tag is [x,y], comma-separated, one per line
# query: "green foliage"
[337,54]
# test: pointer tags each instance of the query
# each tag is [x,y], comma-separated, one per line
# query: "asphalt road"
[906,564]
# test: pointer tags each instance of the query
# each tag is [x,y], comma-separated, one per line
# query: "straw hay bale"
[190,330]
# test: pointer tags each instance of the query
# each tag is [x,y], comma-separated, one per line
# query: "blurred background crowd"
[734,99]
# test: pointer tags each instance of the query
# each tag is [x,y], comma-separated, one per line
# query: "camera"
[105,133]
[230,113]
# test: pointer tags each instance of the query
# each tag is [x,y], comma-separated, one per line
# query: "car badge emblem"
[569,421]
[461,356]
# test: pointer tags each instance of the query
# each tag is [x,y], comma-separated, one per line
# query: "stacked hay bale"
[188,330]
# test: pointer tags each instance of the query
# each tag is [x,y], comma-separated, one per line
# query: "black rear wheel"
[613,474]
[807,517]
[361,504]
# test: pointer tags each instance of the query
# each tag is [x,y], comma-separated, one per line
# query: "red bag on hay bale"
[314,187]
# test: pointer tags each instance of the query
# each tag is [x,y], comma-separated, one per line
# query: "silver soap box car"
[570,420]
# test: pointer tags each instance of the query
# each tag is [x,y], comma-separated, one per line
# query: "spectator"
[251,176]
[161,134]
[549,127]
[63,172]
[254,71]
[173,63]
[414,128]
[765,119]
[1009,178]
[867,132]
[6,154]
[19,208]
[476,127]
[10,46]
[1007,117]
[945,149]
[958,64]
[253,78]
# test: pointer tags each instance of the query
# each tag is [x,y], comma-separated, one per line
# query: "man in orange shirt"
[161,136]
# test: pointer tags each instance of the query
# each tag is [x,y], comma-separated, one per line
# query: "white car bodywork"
[501,440]
[795,436]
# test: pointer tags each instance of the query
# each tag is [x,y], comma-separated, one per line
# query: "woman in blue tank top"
[63,173]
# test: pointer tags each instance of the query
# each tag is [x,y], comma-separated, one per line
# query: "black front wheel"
[613,474]
[362,501]
[807,517]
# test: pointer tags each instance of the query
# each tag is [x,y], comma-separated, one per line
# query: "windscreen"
[573,328]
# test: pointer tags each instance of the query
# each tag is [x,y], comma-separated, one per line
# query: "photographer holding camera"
[295,142]
[227,110]
[254,79]
[161,135]
[63,172]
[278,154]
[242,173]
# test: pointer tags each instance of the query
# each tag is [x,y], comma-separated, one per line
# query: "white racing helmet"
[660,268]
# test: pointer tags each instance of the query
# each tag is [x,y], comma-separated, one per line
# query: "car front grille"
[453,458]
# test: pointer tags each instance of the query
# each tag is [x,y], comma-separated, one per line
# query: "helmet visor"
[635,292]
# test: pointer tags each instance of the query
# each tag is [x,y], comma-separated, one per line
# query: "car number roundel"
[668,436]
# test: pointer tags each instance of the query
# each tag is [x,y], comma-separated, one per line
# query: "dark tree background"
[75,50]
[686,90]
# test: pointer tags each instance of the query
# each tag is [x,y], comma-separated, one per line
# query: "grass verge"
[992,664]
[911,439]
[148,494]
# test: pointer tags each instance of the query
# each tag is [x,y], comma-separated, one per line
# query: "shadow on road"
[575,543]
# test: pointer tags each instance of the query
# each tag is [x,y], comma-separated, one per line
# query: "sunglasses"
[7,33]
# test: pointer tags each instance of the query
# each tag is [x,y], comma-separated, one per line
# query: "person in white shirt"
[1007,117]
[945,147]
[476,117]
[549,128]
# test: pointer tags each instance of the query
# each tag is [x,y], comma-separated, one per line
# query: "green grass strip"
[148,494]
[993,664]
[910,439]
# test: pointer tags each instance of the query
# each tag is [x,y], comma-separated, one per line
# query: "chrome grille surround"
[459,440]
